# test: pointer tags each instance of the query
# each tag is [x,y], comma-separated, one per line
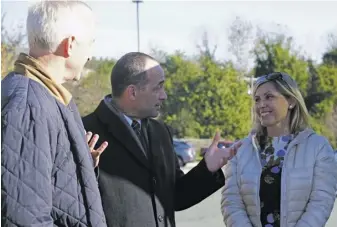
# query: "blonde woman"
[284,174]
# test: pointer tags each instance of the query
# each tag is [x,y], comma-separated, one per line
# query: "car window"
[181,144]
[225,144]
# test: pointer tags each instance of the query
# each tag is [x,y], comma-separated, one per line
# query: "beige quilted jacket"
[308,191]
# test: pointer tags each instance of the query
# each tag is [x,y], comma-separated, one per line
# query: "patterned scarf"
[31,68]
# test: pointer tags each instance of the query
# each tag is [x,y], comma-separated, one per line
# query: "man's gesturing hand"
[92,140]
[216,157]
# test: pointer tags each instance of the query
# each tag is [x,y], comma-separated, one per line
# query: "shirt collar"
[108,101]
[129,120]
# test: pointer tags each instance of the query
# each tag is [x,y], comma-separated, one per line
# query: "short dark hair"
[129,69]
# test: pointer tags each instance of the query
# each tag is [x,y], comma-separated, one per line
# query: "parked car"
[225,144]
[184,151]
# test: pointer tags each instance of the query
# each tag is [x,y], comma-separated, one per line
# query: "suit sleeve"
[196,185]
[26,166]
[323,192]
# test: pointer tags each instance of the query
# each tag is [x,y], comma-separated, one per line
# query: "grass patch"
[199,157]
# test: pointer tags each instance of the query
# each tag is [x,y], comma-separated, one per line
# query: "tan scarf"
[31,68]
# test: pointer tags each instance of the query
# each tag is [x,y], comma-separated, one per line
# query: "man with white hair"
[47,171]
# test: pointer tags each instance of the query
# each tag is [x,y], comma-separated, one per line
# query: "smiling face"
[272,108]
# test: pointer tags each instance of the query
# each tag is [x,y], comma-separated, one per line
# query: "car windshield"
[181,143]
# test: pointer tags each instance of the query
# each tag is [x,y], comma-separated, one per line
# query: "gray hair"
[50,22]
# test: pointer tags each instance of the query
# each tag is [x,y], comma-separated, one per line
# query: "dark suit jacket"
[144,187]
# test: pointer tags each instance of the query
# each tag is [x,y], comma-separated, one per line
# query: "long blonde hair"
[299,116]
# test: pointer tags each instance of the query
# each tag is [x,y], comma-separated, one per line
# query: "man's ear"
[68,46]
[132,92]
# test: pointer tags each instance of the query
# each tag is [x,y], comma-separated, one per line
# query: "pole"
[138,26]
[251,94]
[137,11]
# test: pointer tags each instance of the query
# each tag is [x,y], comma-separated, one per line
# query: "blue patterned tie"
[136,127]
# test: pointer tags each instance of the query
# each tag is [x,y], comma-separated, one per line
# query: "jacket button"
[154,180]
[160,218]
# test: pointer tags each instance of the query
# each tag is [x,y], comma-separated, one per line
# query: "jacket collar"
[302,135]
[119,128]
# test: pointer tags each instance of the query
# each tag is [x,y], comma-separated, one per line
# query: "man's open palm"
[216,157]
[92,140]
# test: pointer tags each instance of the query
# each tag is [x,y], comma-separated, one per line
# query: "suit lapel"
[152,141]
[145,134]
[158,157]
[119,128]
[155,148]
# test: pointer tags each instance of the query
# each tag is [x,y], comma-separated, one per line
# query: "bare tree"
[330,57]
[205,49]
[10,42]
[158,54]
[15,37]
[240,39]
[332,41]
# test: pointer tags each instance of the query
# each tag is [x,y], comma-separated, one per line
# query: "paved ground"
[207,213]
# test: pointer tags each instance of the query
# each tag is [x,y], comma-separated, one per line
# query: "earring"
[290,107]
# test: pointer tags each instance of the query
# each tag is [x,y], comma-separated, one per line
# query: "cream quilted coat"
[309,184]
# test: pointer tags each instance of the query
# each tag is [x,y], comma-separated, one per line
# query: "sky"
[179,25]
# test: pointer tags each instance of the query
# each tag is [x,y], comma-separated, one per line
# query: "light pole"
[252,80]
[137,3]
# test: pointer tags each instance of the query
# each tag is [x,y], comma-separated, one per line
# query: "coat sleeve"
[232,207]
[196,185]
[324,188]
[26,165]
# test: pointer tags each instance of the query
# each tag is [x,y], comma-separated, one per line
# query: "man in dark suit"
[140,181]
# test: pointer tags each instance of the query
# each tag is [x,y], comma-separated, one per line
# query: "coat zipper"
[283,213]
[283,186]
[258,202]
[283,191]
